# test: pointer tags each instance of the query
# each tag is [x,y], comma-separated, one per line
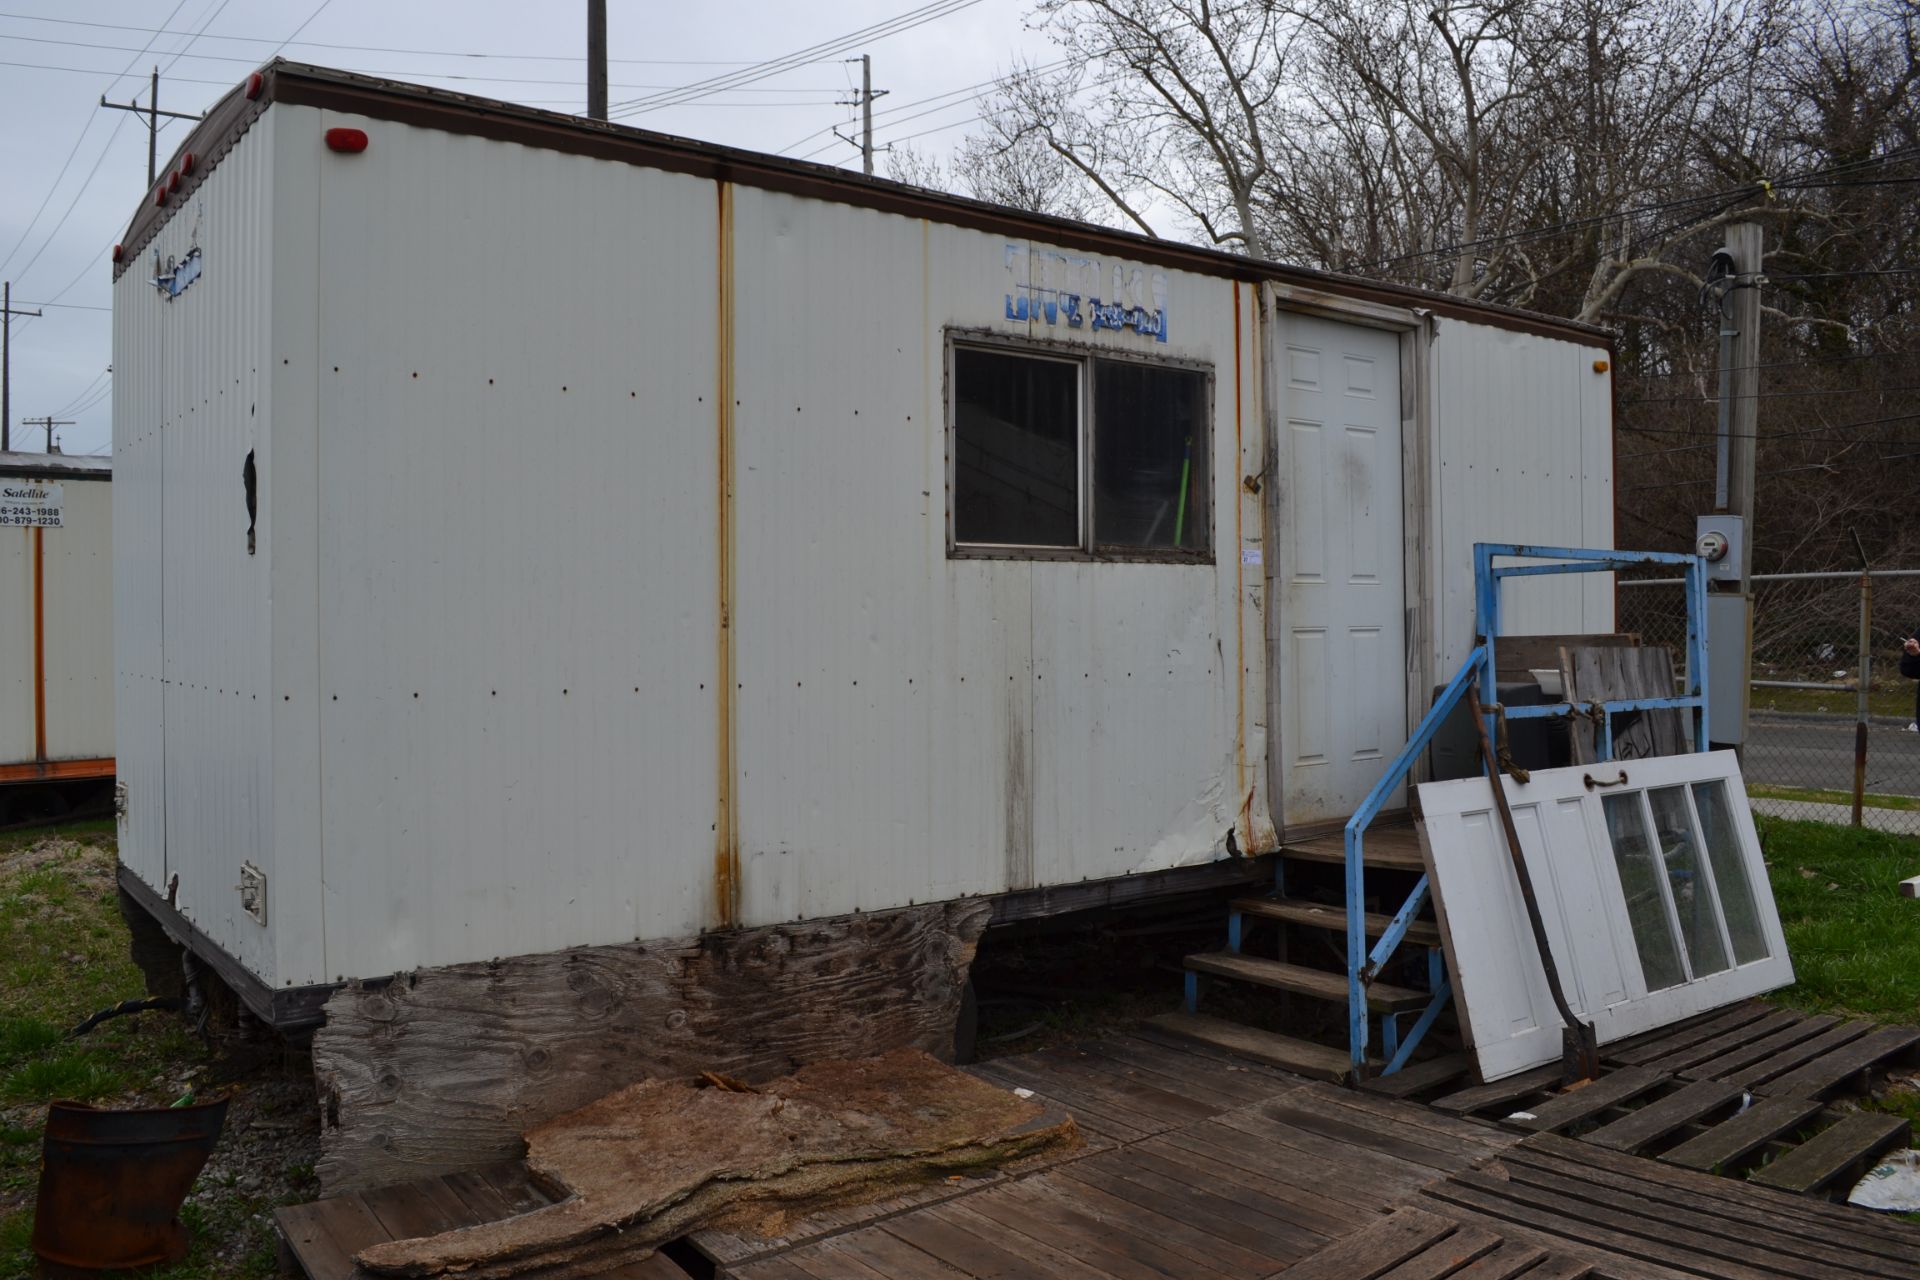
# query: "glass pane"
[1016,436]
[1737,903]
[1636,858]
[1692,897]
[1150,455]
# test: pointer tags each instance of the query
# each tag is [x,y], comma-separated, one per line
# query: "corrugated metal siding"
[190,373]
[1524,454]
[77,604]
[289,524]
[912,727]
[139,738]
[16,639]
[516,564]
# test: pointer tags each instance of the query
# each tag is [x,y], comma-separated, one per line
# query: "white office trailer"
[56,619]
[536,534]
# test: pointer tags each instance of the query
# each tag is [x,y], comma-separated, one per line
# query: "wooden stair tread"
[1813,1164]
[1303,981]
[1744,1134]
[1391,848]
[1322,1062]
[1418,1077]
[1322,915]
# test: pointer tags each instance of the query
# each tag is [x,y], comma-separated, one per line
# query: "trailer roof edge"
[459,113]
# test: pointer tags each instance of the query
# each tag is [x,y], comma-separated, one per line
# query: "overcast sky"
[75,172]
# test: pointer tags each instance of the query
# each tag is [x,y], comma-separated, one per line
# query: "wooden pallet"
[1634,1216]
[318,1240]
[1738,1091]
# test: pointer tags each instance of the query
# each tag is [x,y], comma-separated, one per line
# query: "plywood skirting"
[442,1070]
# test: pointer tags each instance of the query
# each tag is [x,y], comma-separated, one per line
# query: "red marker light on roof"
[119,251]
[255,83]
[160,194]
[347,141]
[173,183]
[186,163]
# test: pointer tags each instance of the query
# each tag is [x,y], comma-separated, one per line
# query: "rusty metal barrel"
[112,1182]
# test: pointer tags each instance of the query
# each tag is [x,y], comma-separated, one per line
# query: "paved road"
[1817,752]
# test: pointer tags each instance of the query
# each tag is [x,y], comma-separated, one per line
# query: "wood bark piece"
[444,1069]
[656,1159]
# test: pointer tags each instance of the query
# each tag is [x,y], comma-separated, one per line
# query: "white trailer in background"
[56,625]
[535,534]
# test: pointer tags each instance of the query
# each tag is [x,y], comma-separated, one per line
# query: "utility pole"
[49,422]
[597,59]
[1726,536]
[7,313]
[1743,385]
[153,113]
[867,93]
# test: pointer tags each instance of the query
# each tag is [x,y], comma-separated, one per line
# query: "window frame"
[1082,355]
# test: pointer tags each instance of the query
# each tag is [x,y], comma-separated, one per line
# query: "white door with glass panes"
[1340,642]
[1651,889]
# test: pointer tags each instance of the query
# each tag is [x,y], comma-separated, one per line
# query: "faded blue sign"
[1048,287]
[173,278]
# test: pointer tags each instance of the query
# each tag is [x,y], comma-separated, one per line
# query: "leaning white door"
[1340,642]
[1651,889]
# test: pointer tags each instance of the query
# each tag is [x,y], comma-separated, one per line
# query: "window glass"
[1149,456]
[1730,872]
[1016,471]
[1640,879]
[1692,892]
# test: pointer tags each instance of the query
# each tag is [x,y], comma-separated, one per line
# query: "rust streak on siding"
[39,644]
[726,850]
[1244,819]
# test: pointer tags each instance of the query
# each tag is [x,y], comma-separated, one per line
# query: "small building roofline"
[66,466]
[459,113]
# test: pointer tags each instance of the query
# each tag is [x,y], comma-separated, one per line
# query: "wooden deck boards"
[1199,1163]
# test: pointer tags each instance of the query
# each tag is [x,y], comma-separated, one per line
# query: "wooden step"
[1303,981]
[1289,1054]
[1845,1148]
[1319,915]
[1389,848]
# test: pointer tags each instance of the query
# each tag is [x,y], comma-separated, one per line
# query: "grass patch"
[1855,941]
[78,1076]
[1808,795]
[1894,700]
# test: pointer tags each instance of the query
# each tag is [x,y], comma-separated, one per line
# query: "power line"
[441,75]
[364,48]
[1785,364]
[798,58]
[1810,433]
[1770,395]
[74,203]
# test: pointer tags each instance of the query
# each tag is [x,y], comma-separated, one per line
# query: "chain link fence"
[1801,753]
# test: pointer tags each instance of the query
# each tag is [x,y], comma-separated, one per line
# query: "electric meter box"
[1720,541]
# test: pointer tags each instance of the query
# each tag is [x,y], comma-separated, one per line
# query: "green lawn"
[64,955]
[1855,941]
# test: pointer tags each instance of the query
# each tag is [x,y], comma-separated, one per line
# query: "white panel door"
[1341,643]
[1651,889]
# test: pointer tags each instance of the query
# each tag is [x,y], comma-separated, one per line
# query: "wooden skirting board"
[442,1070]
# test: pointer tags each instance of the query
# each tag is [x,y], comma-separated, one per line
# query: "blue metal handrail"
[1363,964]
[1360,976]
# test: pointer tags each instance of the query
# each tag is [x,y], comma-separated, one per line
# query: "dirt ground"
[63,956]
